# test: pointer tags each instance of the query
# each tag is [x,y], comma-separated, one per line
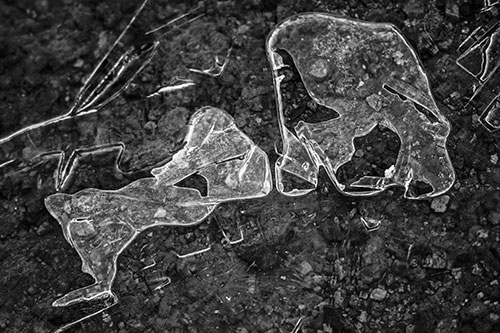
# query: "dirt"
[431,266]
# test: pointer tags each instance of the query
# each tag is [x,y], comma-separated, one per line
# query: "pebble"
[476,308]
[375,102]
[339,298]
[440,204]
[494,217]
[477,232]
[375,262]
[359,153]
[363,317]
[31,290]
[363,295]
[42,6]
[44,228]
[28,152]
[150,126]
[452,10]
[435,261]
[378,294]
[305,268]
[414,8]
[494,158]
[319,69]
[493,317]
[160,213]
[475,119]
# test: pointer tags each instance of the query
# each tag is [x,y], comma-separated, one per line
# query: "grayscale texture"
[320,262]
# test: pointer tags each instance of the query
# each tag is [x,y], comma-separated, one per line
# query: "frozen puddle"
[100,224]
[361,75]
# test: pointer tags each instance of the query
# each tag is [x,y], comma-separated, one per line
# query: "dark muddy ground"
[307,258]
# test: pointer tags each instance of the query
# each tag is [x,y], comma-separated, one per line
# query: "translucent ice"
[361,75]
[480,57]
[127,57]
[100,224]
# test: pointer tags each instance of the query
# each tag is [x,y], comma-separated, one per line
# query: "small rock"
[44,228]
[79,63]
[305,268]
[150,126]
[363,317]
[84,229]
[42,6]
[414,8]
[446,325]
[494,217]
[339,298]
[378,294]
[452,10]
[340,269]
[375,102]
[440,204]
[319,69]
[160,213]
[331,230]
[375,262]
[475,119]
[265,324]
[494,158]
[359,153]
[494,318]
[435,261]
[137,325]
[31,290]
[476,308]
[29,152]
[477,232]
[173,121]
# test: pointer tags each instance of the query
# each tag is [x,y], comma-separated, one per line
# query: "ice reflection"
[358,75]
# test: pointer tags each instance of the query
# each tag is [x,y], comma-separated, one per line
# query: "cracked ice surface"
[368,74]
[100,224]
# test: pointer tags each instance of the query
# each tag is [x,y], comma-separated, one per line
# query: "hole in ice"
[298,104]
[394,92]
[374,153]
[291,182]
[418,188]
[195,181]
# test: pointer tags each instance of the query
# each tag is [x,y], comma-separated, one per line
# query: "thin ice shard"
[128,56]
[489,5]
[114,72]
[480,57]
[177,84]
[100,224]
[358,75]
